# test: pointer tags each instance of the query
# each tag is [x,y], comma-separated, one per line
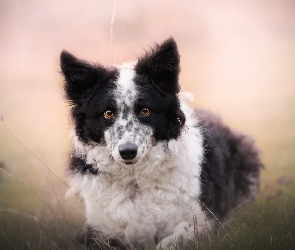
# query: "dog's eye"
[145,111]
[108,114]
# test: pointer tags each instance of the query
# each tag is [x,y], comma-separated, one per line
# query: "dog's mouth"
[124,162]
[129,162]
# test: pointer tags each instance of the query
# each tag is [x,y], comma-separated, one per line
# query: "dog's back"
[231,166]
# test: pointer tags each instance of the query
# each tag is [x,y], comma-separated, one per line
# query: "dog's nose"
[128,151]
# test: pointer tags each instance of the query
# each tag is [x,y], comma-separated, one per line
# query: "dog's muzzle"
[128,151]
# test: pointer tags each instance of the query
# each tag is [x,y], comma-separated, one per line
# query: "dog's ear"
[161,66]
[81,76]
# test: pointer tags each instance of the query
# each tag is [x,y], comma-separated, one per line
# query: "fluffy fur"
[150,169]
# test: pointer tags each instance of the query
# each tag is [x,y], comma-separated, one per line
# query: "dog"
[151,170]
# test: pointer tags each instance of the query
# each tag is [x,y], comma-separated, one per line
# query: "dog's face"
[127,108]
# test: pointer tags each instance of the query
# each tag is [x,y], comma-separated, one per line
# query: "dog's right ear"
[81,77]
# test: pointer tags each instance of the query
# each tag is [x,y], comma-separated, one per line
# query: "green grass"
[267,224]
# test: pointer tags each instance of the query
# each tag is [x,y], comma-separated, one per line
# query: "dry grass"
[35,214]
[237,58]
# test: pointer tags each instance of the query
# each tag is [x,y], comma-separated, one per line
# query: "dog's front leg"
[182,234]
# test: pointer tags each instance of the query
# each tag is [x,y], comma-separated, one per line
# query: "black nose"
[128,151]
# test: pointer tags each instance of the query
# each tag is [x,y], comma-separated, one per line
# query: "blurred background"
[237,58]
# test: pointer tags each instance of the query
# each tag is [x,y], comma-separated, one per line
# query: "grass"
[269,223]
[34,213]
[40,217]
[34,218]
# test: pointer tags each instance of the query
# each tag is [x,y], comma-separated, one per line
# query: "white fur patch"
[126,75]
[186,97]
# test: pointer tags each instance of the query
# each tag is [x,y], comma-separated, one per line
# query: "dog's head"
[127,108]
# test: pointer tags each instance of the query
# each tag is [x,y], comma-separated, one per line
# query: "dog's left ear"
[161,66]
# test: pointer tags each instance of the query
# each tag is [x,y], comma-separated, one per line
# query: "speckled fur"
[127,127]
[189,169]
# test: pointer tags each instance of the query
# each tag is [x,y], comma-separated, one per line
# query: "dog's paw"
[182,234]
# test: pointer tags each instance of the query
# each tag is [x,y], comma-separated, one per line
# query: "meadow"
[35,213]
[237,58]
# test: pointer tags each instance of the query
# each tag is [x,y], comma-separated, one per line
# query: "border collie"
[151,170]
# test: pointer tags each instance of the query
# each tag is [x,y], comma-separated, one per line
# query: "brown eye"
[108,114]
[145,111]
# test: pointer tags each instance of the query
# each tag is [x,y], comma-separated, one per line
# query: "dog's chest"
[135,206]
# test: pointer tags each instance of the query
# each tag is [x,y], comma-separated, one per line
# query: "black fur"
[81,77]
[79,165]
[231,166]
[165,111]
[88,88]
[157,74]
[161,66]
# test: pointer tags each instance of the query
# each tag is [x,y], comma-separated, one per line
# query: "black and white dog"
[150,169]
